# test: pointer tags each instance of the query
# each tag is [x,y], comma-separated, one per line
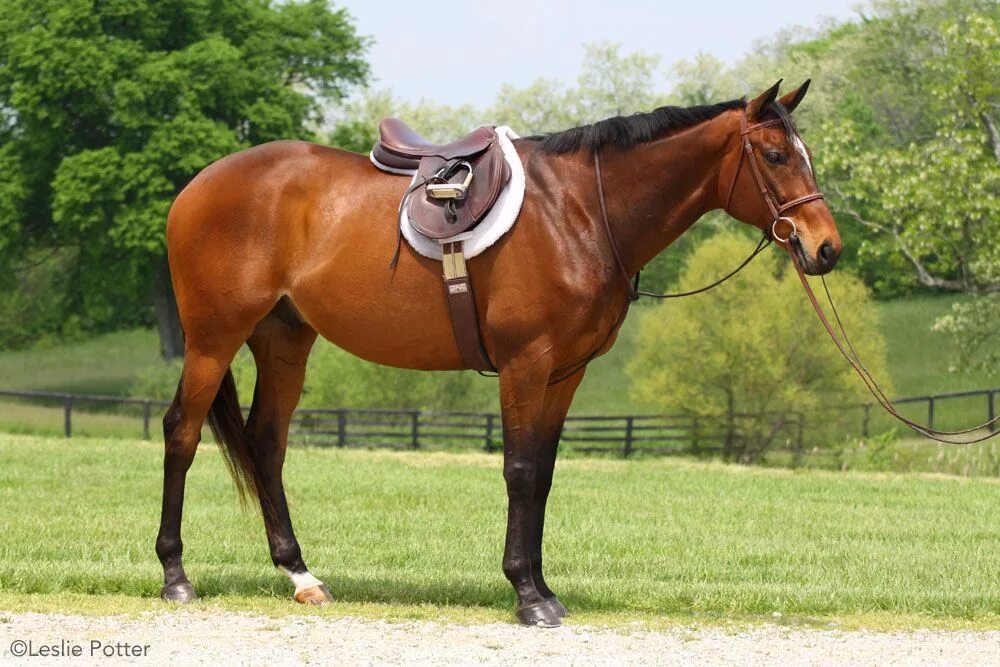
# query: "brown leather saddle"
[457,183]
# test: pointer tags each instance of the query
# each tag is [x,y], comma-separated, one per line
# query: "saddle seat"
[455,184]
[401,147]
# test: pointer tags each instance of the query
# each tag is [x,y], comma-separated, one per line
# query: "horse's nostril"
[827,253]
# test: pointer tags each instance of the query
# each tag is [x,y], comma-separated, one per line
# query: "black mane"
[628,131]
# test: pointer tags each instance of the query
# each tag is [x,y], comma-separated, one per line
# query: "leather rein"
[845,347]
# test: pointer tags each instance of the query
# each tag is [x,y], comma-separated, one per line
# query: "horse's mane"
[629,131]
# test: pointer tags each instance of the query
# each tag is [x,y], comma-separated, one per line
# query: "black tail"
[226,420]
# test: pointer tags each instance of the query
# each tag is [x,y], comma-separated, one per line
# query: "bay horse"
[278,243]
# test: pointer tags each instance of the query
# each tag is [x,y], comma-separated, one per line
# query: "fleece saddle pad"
[494,225]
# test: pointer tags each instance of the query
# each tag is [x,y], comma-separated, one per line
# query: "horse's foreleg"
[522,397]
[281,352]
[558,398]
[200,380]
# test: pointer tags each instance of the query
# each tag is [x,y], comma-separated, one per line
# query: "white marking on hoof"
[302,580]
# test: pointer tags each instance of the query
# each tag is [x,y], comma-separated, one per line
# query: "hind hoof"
[538,615]
[181,593]
[314,595]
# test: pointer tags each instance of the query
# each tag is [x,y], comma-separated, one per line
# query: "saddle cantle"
[456,183]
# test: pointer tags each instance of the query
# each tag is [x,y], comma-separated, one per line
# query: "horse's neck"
[656,191]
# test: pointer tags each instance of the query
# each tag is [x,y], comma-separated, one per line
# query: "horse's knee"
[520,475]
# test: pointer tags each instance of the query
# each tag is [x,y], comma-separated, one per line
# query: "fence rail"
[624,435]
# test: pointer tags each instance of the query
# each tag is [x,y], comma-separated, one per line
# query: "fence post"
[146,410]
[627,452]
[488,438]
[930,412]
[865,424]
[68,415]
[991,410]
[341,428]
[799,442]
[695,435]
[415,430]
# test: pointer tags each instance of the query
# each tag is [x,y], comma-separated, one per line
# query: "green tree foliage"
[752,346]
[108,109]
[355,123]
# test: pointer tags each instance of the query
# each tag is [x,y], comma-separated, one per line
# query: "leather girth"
[462,304]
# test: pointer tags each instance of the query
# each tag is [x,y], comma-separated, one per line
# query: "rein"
[845,347]
[851,355]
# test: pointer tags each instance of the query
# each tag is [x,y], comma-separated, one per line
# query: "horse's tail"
[226,420]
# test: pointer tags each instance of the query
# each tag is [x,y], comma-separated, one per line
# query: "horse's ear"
[792,99]
[758,106]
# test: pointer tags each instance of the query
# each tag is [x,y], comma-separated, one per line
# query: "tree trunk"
[165,306]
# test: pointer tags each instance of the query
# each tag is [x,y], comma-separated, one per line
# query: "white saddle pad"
[496,223]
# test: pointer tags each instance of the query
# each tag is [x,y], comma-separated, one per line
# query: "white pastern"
[302,580]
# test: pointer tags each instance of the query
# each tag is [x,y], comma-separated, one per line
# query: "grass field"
[419,535]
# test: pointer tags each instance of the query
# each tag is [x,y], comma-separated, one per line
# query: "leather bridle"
[747,154]
[777,209]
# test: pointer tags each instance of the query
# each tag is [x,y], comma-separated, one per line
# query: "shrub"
[751,357]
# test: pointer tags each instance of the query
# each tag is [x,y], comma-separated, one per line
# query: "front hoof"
[181,593]
[558,607]
[315,595]
[539,615]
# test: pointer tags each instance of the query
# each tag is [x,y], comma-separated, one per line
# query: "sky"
[517,41]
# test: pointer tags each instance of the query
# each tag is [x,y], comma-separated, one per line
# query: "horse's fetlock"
[515,568]
[287,554]
[168,548]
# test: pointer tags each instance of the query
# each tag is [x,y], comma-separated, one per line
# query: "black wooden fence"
[623,435]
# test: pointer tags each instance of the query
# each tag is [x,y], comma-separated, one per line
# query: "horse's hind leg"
[204,370]
[280,346]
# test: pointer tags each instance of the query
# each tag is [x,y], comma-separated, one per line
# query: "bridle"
[777,210]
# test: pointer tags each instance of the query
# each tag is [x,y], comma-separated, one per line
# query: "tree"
[610,84]
[921,172]
[752,347]
[108,109]
[355,122]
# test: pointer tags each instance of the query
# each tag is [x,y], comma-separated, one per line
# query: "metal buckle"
[445,190]
[774,230]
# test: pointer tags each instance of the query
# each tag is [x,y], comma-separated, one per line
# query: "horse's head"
[769,182]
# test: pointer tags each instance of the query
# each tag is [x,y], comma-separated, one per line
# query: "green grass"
[419,535]
[918,357]
[105,364]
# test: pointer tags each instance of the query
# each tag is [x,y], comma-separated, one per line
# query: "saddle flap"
[444,218]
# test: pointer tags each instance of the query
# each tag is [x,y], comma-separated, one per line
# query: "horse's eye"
[774,157]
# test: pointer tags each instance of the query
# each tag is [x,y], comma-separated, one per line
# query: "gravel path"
[222,639]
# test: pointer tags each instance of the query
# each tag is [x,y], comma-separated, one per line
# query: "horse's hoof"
[181,593]
[315,595]
[539,615]
[558,607]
